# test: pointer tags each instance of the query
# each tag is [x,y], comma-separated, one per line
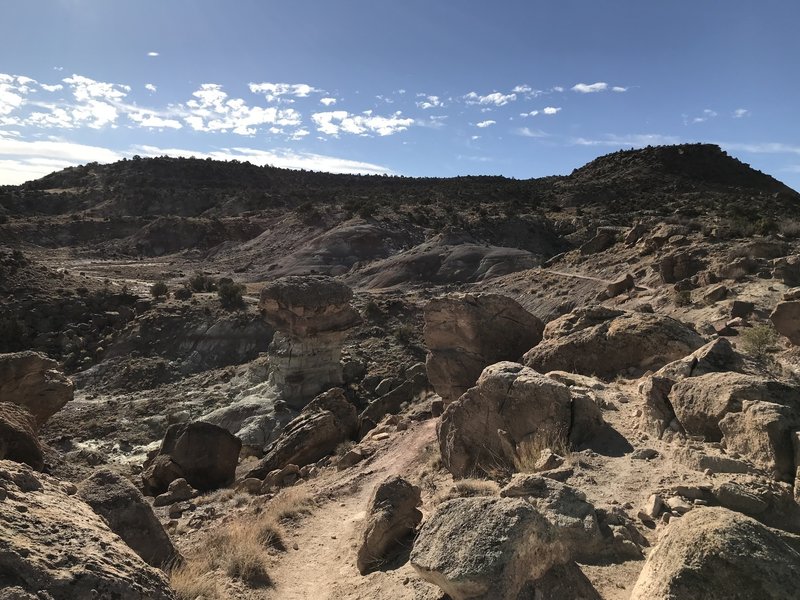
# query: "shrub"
[530,449]
[183,293]
[404,333]
[759,340]
[159,289]
[230,293]
[200,282]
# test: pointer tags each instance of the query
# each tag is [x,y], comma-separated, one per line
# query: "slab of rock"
[204,454]
[312,315]
[621,285]
[741,308]
[510,398]
[388,403]
[680,265]
[604,342]
[716,554]
[392,516]
[178,491]
[52,543]
[565,507]
[128,514]
[18,439]
[35,382]
[466,332]
[322,425]
[715,294]
[786,319]
[485,547]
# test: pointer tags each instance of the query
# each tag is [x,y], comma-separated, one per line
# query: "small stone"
[708,473]
[547,461]
[380,436]
[644,454]
[651,508]
[678,505]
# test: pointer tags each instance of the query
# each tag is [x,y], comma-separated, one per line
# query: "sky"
[417,88]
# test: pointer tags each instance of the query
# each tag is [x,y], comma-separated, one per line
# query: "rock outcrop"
[716,554]
[312,315]
[604,342]
[18,439]
[32,380]
[466,332]
[392,516]
[128,514]
[322,425]
[52,543]
[510,406]
[204,454]
[485,548]
[786,319]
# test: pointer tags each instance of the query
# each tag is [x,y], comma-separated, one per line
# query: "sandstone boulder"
[32,380]
[18,440]
[603,342]
[482,429]
[715,554]
[621,285]
[127,513]
[786,319]
[392,516]
[312,315]
[466,332]
[485,548]
[204,454]
[326,422]
[54,544]
[679,265]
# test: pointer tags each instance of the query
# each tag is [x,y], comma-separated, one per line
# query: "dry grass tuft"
[290,503]
[468,488]
[530,449]
[192,580]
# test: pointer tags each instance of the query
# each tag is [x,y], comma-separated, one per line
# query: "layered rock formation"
[52,545]
[312,315]
[35,382]
[18,440]
[464,333]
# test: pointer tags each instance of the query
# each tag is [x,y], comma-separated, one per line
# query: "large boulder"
[485,547]
[18,440]
[312,315]
[466,332]
[716,554]
[322,425]
[786,319]
[128,514]
[604,342]
[53,545]
[32,380]
[482,430]
[657,412]
[204,454]
[392,516]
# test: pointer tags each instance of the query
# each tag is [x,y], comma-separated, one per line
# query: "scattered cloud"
[340,121]
[493,99]
[150,87]
[522,89]
[741,112]
[429,102]
[327,101]
[531,133]
[152,54]
[619,89]
[283,92]
[150,119]
[557,88]
[590,88]
[52,88]
[635,140]
[484,124]
[551,110]
[762,148]
[707,114]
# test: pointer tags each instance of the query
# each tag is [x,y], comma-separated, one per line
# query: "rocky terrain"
[220,381]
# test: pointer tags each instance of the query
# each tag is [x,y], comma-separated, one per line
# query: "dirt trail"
[323,565]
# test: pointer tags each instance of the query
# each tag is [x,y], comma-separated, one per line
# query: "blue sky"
[521,89]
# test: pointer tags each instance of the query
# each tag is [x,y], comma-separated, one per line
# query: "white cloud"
[213,110]
[762,148]
[277,92]
[619,89]
[430,102]
[589,88]
[531,133]
[475,137]
[150,87]
[522,89]
[635,140]
[533,113]
[52,88]
[551,110]
[493,99]
[484,124]
[327,101]
[707,114]
[557,88]
[741,112]
[153,54]
[340,121]
[146,118]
